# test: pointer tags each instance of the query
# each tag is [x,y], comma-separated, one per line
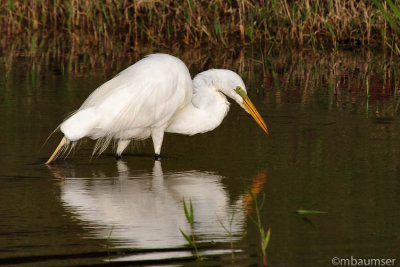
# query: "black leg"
[157,157]
[118,157]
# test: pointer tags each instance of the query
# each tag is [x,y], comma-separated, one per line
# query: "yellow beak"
[254,113]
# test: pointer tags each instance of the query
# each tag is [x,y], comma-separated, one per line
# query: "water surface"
[334,147]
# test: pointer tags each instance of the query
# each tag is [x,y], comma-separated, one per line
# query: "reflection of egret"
[146,211]
[153,96]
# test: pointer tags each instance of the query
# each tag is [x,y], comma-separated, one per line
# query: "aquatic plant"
[305,212]
[190,238]
[264,235]
[228,230]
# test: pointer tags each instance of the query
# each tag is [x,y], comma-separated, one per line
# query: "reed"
[113,24]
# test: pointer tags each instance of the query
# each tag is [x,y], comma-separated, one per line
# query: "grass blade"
[304,212]
[266,239]
[189,213]
[186,237]
[386,15]
[395,10]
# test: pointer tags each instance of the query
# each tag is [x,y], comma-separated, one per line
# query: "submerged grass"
[85,24]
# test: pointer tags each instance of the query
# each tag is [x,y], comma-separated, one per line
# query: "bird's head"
[230,84]
[233,86]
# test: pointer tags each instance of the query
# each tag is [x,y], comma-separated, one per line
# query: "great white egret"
[153,96]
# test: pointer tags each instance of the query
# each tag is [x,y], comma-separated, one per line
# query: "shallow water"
[331,148]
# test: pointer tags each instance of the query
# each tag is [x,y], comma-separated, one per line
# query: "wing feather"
[145,95]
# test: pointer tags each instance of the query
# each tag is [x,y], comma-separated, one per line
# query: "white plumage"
[153,96]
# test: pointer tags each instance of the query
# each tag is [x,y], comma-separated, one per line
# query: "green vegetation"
[228,230]
[305,212]
[85,25]
[264,235]
[190,219]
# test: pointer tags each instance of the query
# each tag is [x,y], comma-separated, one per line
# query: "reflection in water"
[146,211]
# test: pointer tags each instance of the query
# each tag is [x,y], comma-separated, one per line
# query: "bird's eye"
[240,91]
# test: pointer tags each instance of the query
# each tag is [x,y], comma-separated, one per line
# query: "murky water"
[332,148]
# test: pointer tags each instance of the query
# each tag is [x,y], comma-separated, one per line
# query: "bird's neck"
[204,113]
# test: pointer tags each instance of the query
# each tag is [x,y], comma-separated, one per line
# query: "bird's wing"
[147,94]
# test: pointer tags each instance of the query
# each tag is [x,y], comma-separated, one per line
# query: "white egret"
[153,96]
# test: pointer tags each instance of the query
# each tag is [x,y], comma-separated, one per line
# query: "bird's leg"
[157,135]
[122,144]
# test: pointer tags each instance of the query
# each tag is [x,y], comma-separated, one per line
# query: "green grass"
[306,212]
[190,238]
[228,230]
[264,235]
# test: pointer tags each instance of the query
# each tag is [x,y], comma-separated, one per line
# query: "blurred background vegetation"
[111,25]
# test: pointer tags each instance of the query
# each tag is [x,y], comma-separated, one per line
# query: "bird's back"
[146,94]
